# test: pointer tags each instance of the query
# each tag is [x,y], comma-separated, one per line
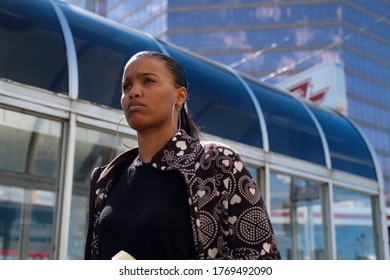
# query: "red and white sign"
[322,84]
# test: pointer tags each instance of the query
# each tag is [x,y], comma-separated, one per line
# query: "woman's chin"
[138,126]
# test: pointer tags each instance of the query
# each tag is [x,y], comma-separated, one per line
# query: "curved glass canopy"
[32,51]
[291,130]
[102,51]
[32,48]
[348,150]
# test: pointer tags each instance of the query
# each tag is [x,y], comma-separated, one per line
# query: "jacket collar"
[176,151]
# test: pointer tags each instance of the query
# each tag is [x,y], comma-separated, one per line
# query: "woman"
[173,197]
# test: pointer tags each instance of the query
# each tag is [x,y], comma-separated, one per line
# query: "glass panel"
[252,38]
[32,48]
[306,202]
[11,204]
[31,145]
[251,14]
[353,220]
[280,186]
[103,48]
[297,217]
[78,226]
[150,18]
[291,131]
[25,214]
[347,148]
[93,148]
[42,208]
[255,174]
[219,102]
[29,165]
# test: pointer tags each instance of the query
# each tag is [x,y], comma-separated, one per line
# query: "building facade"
[271,40]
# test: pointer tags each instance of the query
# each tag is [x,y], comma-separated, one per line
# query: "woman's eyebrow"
[140,75]
[147,74]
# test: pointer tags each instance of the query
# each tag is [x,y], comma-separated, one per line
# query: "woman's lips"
[135,106]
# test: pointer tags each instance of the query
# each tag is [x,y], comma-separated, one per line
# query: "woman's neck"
[149,143]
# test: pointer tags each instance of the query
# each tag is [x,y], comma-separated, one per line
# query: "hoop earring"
[117,132]
[179,118]
[176,127]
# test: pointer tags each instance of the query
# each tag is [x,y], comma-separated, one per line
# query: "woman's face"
[149,94]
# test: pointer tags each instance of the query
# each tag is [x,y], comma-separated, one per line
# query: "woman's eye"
[148,81]
[126,87]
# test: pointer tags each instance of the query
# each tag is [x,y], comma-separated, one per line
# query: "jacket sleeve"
[251,234]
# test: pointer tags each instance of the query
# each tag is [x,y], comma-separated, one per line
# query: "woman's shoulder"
[220,147]
[221,151]
[112,167]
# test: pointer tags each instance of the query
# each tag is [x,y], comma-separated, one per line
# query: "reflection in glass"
[41,223]
[297,217]
[93,148]
[29,166]
[353,220]
[78,226]
[25,214]
[11,203]
[29,144]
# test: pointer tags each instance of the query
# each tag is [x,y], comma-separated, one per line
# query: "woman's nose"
[134,92]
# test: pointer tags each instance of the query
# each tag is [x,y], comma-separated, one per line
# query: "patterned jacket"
[228,215]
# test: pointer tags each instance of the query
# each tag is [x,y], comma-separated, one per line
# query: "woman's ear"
[181,96]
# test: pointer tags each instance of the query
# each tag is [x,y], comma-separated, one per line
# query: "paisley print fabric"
[229,218]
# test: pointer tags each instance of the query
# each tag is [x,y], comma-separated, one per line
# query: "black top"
[147,215]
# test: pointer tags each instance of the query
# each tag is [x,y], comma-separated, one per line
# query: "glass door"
[297,217]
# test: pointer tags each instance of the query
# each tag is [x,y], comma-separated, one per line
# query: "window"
[353,220]
[297,217]
[29,167]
